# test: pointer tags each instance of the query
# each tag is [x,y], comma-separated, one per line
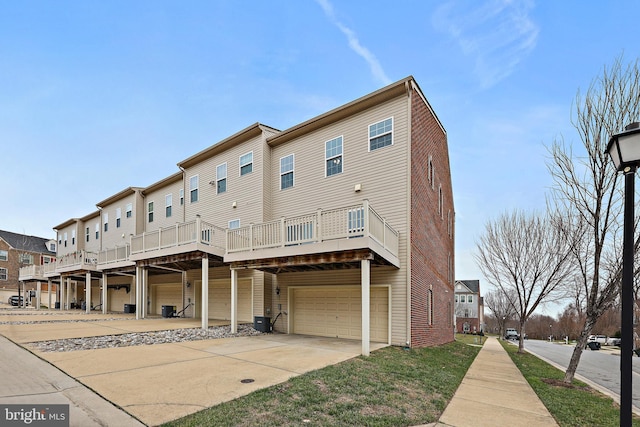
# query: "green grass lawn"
[392,387]
[576,405]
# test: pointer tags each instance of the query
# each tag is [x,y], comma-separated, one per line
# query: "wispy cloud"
[498,34]
[354,43]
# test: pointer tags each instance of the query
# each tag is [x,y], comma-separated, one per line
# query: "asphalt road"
[600,367]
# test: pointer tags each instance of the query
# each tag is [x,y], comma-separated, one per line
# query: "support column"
[105,295]
[38,290]
[87,293]
[62,296]
[365,268]
[139,280]
[234,301]
[49,292]
[205,292]
[67,303]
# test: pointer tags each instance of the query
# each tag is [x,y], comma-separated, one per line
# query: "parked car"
[511,334]
[602,339]
[615,341]
[16,300]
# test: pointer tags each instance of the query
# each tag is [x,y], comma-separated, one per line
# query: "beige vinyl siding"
[118,298]
[70,248]
[166,294]
[160,219]
[245,191]
[93,245]
[128,226]
[383,174]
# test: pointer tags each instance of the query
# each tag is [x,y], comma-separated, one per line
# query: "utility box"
[262,324]
[129,308]
[168,310]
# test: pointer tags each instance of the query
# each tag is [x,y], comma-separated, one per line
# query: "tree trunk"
[580,346]
[521,338]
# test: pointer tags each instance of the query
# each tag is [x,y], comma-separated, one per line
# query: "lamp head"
[624,148]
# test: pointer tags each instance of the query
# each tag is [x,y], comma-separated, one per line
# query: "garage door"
[336,312]
[220,300]
[170,294]
[118,298]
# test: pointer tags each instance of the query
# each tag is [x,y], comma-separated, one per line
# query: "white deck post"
[205,292]
[67,304]
[144,296]
[366,297]
[38,290]
[49,292]
[234,301]
[87,293]
[105,300]
[61,300]
[139,274]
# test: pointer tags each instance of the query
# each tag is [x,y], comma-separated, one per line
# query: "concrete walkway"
[494,393]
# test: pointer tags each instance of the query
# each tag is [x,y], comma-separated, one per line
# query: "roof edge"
[120,195]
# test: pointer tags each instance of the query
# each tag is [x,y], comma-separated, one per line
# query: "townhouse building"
[469,307]
[340,226]
[22,262]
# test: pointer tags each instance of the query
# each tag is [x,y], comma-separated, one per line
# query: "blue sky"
[86,87]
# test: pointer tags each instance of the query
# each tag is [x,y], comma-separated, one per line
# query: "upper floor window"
[129,210]
[65,239]
[3,274]
[462,298]
[234,223]
[52,247]
[97,230]
[430,172]
[181,197]
[4,255]
[333,156]
[440,201]
[381,134]
[106,222]
[193,188]
[118,217]
[46,259]
[286,172]
[168,203]
[86,234]
[246,163]
[59,239]
[150,211]
[221,178]
[26,259]
[469,298]
[73,237]
[456,299]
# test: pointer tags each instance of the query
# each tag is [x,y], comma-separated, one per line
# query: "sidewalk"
[494,393]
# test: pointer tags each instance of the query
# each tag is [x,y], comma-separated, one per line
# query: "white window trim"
[293,170]
[246,164]
[151,210]
[4,257]
[97,230]
[168,203]
[341,155]
[431,174]
[129,209]
[218,179]
[181,197]
[197,188]
[234,220]
[377,136]
[6,274]
[106,221]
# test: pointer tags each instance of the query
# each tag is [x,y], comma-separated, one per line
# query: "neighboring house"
[29,253]
[469,307]
[341,226]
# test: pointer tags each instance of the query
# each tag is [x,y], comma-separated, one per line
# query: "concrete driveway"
[162,382]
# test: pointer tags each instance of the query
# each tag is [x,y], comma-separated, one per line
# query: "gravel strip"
[143,338]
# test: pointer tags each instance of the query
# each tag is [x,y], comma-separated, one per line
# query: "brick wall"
[12,265]
[432,247]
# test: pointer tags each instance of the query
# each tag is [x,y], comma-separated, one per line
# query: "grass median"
[573,405]
[392,387]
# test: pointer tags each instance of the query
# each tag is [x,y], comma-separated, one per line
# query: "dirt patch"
[559,383]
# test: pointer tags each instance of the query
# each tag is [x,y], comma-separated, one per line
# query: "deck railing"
[113,255]
[196,231]
[81,259]
[30,271]
[341,223]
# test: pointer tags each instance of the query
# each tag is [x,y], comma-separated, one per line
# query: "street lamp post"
[624,149]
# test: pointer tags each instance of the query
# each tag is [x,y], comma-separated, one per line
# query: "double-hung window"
[129,210]
[381,134]
[168,203]
[181,197]
[73,237]
[4,255]
[97,230]
[333,156]
[193,188]
[118,217]
[150,211]
[462,298]
[106,221]
[286,171]
[469,299]
[3,274]
[87,233]
[221,178]
[246,163]
[65,239]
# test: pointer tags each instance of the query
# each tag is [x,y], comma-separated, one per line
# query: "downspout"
[408,209]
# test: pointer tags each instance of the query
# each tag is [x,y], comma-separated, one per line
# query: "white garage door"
[336,312]
[220,300]
[118,298]
[169,294]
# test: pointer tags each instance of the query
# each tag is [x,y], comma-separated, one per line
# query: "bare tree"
[527,256]
[501,306]
[587,188]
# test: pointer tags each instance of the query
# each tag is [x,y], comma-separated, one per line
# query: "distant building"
[18,251]
[469,307]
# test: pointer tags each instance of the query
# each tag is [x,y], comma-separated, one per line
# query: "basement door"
[331,311]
